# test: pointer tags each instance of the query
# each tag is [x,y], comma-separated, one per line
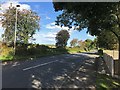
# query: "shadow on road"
[71,71]
[72,76]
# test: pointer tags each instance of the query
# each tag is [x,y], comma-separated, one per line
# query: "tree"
[62,38]
[97,17]
[74,42]
[88,44]
[27,24]
[91,16]
[107,40]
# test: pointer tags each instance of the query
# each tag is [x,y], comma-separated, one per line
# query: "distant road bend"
[47,72]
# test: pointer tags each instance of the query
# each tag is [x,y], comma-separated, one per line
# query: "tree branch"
[115,33]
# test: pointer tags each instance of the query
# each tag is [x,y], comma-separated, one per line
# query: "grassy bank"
[34,51]
[29,51]
[105,82]
[75,50]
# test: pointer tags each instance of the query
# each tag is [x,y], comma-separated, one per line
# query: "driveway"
[61,71]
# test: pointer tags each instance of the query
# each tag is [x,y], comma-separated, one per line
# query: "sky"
[48,29]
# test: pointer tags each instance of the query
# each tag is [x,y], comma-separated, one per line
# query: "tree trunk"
[118,37]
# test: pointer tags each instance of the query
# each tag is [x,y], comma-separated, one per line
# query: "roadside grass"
[105,82]
[32,57]
[4,58]
[18,57]
[75,50]
[22,54]
[34,51]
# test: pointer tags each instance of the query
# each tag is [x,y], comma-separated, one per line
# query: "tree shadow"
[70,76]
[72,72]
[104,79]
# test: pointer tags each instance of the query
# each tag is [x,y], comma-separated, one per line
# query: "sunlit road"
[46,72]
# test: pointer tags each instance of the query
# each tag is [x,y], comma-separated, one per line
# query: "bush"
[37,49]
[7,52]
[21,50]
[62,50]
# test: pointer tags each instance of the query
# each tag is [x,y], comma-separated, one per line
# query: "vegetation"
[35,50]
[106,19]
[74,42]
[26,51]
[6,53]
[91,16]
[86,45]
[62,38]
[105,82]
[27,24]
[107,40]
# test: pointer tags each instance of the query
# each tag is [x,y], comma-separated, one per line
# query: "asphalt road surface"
[46,72]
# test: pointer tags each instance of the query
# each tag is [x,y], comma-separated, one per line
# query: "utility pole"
[15,38]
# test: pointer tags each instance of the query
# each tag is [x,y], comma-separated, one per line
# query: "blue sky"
[48,29]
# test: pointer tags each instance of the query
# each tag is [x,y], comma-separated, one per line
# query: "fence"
[111,64]
[116,67]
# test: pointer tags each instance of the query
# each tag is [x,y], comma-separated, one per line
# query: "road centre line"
[39,65]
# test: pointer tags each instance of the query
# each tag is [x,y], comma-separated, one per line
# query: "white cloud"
[49,37]
[57,28]
[6,5]
[48,18]
[45,38]
[53,26]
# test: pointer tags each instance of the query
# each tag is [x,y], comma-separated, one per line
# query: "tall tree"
[91,16]
[74,42]
[95,16]
[107,40]
[27,24]
[62,38]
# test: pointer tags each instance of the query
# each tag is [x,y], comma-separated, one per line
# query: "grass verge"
[105,82]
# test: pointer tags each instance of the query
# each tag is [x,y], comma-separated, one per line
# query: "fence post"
[112,67]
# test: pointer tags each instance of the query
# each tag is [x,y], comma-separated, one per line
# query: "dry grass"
[112,53]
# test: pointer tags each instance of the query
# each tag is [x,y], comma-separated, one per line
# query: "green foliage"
[88,45]
[61,50]
[62,38]
[107,40]
[75,50]
[90,16]
[27,51]
[74,42]
[83,46]
[27,24]
[105,82]
[6,53]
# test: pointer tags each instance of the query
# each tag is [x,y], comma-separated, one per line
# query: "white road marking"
[39,65]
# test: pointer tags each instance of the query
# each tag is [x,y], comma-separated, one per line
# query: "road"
[46,72]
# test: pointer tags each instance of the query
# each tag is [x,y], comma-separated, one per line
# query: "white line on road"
[39,65]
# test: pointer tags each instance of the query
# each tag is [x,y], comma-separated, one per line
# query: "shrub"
[43,49]
[21,50]
[7,52]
